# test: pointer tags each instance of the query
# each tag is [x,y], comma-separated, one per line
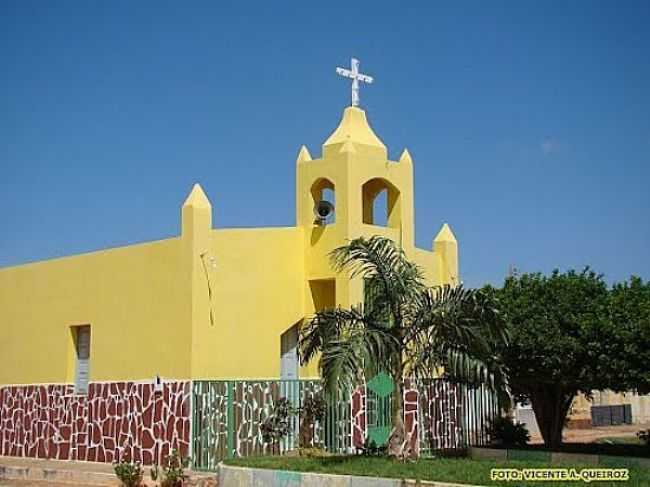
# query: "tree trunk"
[551,405]
[397,439]
[398,443]
[305,436]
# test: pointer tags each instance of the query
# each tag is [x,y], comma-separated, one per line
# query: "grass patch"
[621,440]
[459,470]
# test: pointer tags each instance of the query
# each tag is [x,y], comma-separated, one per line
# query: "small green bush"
[371,449]
[129,473]
[506,432]
[312,411]
[173,471]
[276,425]
[314,408]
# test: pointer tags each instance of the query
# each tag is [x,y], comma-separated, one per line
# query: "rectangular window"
[82,348]
[289,354]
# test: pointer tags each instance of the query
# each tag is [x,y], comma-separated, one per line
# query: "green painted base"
[379,434]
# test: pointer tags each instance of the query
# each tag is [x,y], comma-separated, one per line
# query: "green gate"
[379,391]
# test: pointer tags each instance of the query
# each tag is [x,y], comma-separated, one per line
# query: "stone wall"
[114,420]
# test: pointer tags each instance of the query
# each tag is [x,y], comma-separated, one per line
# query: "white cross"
[356,77]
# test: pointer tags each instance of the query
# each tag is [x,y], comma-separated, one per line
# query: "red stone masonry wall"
[359,416]
[115,420]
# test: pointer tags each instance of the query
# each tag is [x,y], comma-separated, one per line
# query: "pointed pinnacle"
[445,235]
[303,155]
[197,198]
[405,158]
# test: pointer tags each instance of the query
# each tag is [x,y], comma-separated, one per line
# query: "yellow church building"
[100,351]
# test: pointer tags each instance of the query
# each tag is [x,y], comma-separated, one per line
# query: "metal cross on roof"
[356,76]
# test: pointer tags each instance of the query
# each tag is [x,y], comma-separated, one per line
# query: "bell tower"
[356,177]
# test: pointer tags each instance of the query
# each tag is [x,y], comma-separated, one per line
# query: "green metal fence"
[453,416]
[227,416]
[480,406]
[338,424]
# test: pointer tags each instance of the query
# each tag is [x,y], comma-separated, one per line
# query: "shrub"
[173,471]
[129,473]
[506,432]
[314,407]
[276,425]
[371,449]
[313,410]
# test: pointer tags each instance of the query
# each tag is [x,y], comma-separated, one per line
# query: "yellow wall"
[133,298]
[213,303]
[257,294]
[430,265]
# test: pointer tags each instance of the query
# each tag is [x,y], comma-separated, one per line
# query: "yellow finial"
[354,127]
[197,198]
[196,215]
[405,158]
[303,155]
[446,247]
[445,235]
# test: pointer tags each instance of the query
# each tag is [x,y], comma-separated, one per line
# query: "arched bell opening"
[381,203]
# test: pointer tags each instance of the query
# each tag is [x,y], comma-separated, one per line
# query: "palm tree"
[404,328]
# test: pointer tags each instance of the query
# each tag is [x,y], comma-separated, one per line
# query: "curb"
[243,476]
[39,474]
[66,473]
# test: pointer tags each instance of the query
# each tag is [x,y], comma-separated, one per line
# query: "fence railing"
[227,417]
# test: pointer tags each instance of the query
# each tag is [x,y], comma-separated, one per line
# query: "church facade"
[99,351]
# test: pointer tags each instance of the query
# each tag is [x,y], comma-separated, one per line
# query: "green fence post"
[193,426]
[231,420]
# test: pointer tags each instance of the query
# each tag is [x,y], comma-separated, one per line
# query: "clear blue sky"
[528,122]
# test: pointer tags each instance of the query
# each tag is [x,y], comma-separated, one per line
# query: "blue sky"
[528,122]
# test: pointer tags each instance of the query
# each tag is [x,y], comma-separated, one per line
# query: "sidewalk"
[27,472]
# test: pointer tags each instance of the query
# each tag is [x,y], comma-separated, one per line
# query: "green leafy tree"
[627,367]
[405,328]
[558,327]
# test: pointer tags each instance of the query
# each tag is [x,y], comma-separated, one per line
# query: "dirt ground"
[593,434]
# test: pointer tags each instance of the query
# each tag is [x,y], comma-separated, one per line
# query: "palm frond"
[458,316]
[458,330]
[348,343]
[394,280]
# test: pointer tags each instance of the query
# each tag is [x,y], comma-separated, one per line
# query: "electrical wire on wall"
[207,279]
